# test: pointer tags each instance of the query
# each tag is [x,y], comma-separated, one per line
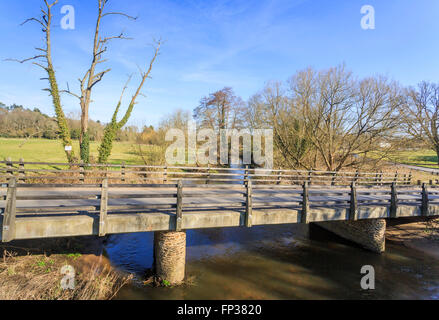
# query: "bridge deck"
[42,212]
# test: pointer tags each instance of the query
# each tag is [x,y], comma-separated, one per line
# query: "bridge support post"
[368,233]
[170,256]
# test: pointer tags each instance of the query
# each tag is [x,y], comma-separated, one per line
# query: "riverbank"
[44,270]
[419,235]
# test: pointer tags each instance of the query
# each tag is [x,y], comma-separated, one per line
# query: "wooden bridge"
[108,199]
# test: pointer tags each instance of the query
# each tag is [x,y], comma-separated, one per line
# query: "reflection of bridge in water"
[173,199]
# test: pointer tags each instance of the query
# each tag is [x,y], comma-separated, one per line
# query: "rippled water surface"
[278,262]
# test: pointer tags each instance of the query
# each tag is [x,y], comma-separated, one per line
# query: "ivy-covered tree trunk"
[54,91]
[107,141]
[64,131]
[84,148]
[111,128]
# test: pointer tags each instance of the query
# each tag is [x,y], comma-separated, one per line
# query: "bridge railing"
[24,200]
[38,172]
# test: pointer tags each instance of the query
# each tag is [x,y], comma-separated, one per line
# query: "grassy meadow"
[44,150]
[422,158]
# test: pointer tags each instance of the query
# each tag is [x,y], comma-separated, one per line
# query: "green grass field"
[422,158]
[43,150]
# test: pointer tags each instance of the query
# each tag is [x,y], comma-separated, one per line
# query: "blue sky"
[212,44]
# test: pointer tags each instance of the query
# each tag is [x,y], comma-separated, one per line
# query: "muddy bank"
[418,235]
[53,269]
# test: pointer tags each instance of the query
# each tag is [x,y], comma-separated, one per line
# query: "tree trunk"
[84,139]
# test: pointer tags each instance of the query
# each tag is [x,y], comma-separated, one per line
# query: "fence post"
[279,177]
[410,178]
[353,212]
[8,233]
[248,204]
[122,172]
[334,175]
[424,207]
[208,173]
[393,201]
[305,204]
[21,172]
[165,175]
[309,176]
[381,177]
[103,208]
[179,208]
[356,176]
[377,178]
[395,179]
[81,171]
[246,175]
[10,173]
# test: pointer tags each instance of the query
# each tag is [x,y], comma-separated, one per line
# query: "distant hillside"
[17,121]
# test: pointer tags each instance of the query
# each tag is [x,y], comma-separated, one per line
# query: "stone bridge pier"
[170,256]
[370,233]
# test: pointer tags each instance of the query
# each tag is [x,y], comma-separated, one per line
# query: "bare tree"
[220,110]
[420,114]
[92,76]
[44,60]
[272,108]
[328,119]
[115,125]
[346,118]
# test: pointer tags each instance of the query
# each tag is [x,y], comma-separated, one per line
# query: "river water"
[277,262]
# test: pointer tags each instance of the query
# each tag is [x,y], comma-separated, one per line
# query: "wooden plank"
[393,201]
[8,233]
[103,209]
[305,204]
[179,208]
[248,205]
[353,211]
[425,202]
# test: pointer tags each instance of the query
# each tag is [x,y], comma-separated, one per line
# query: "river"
[278,262]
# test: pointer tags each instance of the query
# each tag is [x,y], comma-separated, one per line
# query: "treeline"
[17,121]
[328,119]
[321,119]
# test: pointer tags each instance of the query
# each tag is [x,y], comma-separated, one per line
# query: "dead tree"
[115,125]
[44,60]
[92,76]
